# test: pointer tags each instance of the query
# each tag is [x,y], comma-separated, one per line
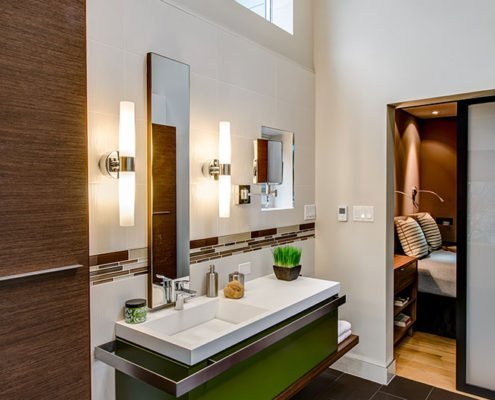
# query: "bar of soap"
[234,290]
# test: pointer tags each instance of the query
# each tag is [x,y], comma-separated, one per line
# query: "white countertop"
[208,326]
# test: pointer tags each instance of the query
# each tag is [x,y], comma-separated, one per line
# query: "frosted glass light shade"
[224,190]
[127,148]
[224,181]
[224,143]
[127,129]
[127,196]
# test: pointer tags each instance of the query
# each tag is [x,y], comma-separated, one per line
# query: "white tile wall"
[261,264]
[232,79]
[107,302]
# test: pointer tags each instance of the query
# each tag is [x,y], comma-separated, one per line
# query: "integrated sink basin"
[195,326]
[208,326]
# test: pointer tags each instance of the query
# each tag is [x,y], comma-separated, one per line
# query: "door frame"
[462,228]
[464,100]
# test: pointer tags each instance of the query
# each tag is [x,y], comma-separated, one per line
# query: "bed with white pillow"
[420,237]
[437,273]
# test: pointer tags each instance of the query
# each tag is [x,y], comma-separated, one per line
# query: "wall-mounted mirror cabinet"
[273,168]
[168,174]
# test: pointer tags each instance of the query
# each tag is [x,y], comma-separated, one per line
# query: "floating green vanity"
[265,365]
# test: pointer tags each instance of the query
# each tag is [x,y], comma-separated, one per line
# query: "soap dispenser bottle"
[212,282]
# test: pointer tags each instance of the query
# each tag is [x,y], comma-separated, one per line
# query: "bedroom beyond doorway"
[444,240]
[425,262]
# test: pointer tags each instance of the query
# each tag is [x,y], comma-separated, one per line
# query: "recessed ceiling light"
[435,112]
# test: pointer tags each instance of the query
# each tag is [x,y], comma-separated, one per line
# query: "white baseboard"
[353,365]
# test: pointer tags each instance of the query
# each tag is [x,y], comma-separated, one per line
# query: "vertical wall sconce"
[219,169]
[120,164]
[225,159]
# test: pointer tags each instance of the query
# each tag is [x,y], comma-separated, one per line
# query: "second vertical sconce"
[219,169]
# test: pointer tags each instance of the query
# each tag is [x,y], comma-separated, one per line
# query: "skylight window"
[278,12]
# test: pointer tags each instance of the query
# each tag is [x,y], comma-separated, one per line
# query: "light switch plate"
[245,268]
[363,213]
[309,212]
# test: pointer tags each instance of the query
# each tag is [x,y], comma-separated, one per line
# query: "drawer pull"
[40,272]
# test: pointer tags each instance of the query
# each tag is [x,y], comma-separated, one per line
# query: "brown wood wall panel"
[44,340]
[163,197]
[44,332]
[43,141]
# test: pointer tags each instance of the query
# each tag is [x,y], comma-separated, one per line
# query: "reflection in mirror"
[168,176]
[274,168]
[275,164]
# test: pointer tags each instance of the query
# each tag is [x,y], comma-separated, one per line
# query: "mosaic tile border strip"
[230,245]
[109,267]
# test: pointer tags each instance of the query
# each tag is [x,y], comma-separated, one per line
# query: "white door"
[480,247]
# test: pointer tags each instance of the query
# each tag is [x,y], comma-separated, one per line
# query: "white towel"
[344,336]
[344,327]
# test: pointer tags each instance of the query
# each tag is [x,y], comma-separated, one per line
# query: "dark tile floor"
[334,385]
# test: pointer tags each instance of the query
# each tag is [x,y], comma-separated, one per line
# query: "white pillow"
[411,237]
[430,229]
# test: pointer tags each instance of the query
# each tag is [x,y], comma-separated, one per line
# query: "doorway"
[425,141]
[441,329]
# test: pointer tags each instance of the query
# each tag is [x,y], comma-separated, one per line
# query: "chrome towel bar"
[40,272]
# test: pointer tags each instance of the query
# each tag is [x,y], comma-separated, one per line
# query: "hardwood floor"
[429,359]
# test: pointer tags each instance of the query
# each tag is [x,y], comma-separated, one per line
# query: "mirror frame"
[261,149]
[182,126]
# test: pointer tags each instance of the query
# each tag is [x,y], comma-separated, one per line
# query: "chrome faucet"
[182,294]
[175,292]
[167,288]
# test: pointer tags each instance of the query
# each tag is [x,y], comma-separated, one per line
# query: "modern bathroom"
[198,198]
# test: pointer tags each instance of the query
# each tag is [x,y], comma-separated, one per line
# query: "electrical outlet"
[245,268]
[242,194]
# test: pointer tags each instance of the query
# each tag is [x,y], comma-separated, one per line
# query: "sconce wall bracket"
[112,164]
[213,169]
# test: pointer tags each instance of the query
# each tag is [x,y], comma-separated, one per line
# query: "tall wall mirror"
[273,168]
[168,174]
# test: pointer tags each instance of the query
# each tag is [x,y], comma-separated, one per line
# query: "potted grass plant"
[287,262]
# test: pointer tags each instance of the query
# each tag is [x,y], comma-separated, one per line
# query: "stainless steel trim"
[40,272]
[224,169]
[112,164]
[127,164]
[211,169]
[109,164]
[106,353]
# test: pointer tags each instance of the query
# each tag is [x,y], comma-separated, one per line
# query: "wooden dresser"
[405,285]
